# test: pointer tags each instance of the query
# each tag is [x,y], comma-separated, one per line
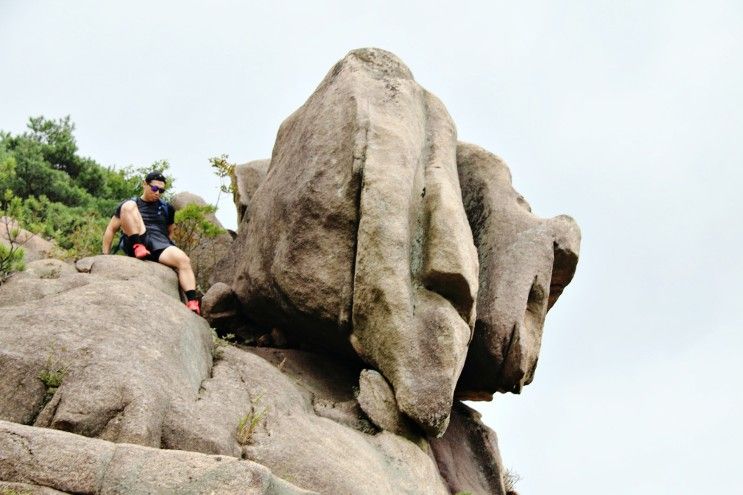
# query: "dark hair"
[155,175]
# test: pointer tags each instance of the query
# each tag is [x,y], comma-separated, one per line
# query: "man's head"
[153,186]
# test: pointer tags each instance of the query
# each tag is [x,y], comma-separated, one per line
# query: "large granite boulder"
[525,263]
[358,233]
[81,355]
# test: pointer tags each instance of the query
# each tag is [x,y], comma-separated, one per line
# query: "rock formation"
[361,234]
[397,268]
[525,263]
[358,235]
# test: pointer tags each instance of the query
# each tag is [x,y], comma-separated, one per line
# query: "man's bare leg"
[133,225]
[176,258]
[131,219]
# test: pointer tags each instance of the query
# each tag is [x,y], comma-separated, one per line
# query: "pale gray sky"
[626,115]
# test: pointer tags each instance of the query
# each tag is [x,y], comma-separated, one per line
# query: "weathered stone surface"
[333,458]
[468,455]
[25,286]
[207,253]
[310,429]
[361,214]
[123,268]
[50,268]
[75,464]
[248,176]
[34,246]
[377,400]
[125,350]
[525,262]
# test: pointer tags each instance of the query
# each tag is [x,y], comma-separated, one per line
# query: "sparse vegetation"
[192,228]
[224,170]
[219,344]
[52,376]
[11,256]
[12,491]
[510,479]
[248,423]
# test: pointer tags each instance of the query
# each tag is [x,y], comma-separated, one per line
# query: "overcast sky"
[626,115]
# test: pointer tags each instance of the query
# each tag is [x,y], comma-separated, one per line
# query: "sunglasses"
[157,189]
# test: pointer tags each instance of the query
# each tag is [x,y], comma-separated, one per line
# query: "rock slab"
[56,460]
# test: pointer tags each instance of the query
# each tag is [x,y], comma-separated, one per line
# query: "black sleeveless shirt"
[157,216]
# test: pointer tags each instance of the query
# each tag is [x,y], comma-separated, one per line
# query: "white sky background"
[625,115]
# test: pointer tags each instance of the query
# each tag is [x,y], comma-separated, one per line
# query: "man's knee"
[177,259]
[185,261]
[129,206]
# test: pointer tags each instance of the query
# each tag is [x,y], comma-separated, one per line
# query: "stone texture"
[127,350]
[525,263]
[311,430]
[49,268]
[123,268]
[208,253]
[377,400]
[248,176]
[468,455]
[359,228]
[39,457]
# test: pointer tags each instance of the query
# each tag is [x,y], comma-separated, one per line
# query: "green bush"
[11,251]
[192,230]
[11,261]
[192,227]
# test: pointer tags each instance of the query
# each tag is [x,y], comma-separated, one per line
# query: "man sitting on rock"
[147,223]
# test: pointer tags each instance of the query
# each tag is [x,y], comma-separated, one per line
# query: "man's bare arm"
[113,226]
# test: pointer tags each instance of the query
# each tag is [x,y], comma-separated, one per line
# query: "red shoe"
[140,252]
[193,305]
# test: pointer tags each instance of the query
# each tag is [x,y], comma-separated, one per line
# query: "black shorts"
[154,253]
